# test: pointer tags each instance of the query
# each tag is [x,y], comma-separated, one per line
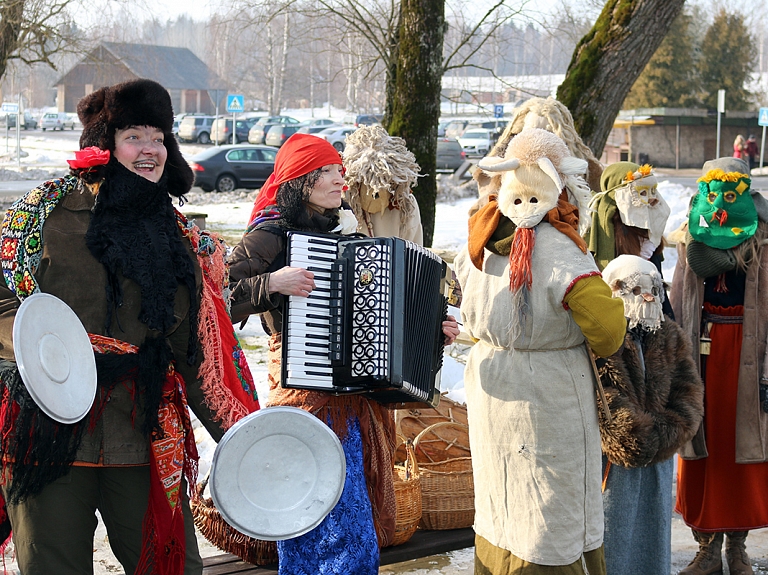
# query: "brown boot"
[708,560]
[736,553]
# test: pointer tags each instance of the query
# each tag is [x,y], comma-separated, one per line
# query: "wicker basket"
[213,527]
[447,489]
[407,497]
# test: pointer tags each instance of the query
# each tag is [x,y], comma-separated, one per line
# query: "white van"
[57,121]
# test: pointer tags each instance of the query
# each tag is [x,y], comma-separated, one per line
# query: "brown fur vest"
[656,414]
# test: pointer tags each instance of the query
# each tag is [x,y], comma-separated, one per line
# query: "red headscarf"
[300,154]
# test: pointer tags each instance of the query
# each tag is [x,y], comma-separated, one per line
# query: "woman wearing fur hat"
[380,172]
[656,400]
[107,241]
[532,299]
[720,298]
[307,189]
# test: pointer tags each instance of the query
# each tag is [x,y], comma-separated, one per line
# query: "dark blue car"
[228,168]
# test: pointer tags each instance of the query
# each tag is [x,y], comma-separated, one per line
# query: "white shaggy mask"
[638,283]
[532,173]
[642,206]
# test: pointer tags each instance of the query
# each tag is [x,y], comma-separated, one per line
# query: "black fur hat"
[135,103]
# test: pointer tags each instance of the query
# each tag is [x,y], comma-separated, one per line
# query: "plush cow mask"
[532,175]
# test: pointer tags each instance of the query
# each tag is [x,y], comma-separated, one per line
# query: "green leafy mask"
[723,213]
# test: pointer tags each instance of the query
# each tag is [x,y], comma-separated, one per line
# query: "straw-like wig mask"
[723,213]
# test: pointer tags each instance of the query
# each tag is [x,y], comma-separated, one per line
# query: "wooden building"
[192,85]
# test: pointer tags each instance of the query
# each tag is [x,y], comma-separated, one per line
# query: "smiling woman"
[141,150]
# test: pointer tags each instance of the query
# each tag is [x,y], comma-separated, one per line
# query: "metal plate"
[277,473]
[55,357]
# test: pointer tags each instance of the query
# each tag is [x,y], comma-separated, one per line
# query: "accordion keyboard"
[373,322]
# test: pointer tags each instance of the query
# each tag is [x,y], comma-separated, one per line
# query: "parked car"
[28,121]
[363,120]
[279,133]
[495,126]
[57,121]
[316,129]
[450,155]
[316,122]
[455,128]
[228,168]
[195,128]
[176,121]
[476,142]
[221,130]
[336,136]
[259,130]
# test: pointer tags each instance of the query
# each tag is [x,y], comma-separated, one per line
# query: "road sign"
[9,108]
[498,111]
[235,103]
[721,101]
[762,117]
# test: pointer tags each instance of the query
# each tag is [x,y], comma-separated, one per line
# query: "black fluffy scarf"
[133,232]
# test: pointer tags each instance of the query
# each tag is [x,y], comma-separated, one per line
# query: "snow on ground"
[227,214]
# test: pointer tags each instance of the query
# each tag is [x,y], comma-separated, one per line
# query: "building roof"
[174,68]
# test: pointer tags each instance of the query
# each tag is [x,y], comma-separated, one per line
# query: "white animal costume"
[529,380]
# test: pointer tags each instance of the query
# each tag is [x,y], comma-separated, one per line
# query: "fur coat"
[655,409]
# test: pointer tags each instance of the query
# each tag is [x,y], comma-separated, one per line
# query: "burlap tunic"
[532,410]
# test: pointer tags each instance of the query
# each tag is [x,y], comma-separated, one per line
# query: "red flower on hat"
[89,157]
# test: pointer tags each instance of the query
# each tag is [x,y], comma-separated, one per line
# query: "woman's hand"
[292,281]
[450,329]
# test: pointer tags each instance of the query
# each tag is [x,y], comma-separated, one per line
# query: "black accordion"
[373,323]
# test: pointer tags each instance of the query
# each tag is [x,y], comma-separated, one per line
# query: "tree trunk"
[608,60]
[283,66]
[416,100]
[271,69]
[11,13]
[391,75]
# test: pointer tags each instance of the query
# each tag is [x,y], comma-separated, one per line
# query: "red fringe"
[720,287]
[520,272]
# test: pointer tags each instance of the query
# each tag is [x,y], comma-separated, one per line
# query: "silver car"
[195,128]
[57,121]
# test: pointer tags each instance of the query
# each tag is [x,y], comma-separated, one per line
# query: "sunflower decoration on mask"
[723,213]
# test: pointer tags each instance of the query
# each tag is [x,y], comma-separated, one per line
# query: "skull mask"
[638,283]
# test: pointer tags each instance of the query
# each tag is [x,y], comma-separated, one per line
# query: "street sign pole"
[720,110]
[216,123]
[18,135]
[762,120]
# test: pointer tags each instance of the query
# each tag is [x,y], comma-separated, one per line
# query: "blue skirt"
[638,519]
[345,542]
